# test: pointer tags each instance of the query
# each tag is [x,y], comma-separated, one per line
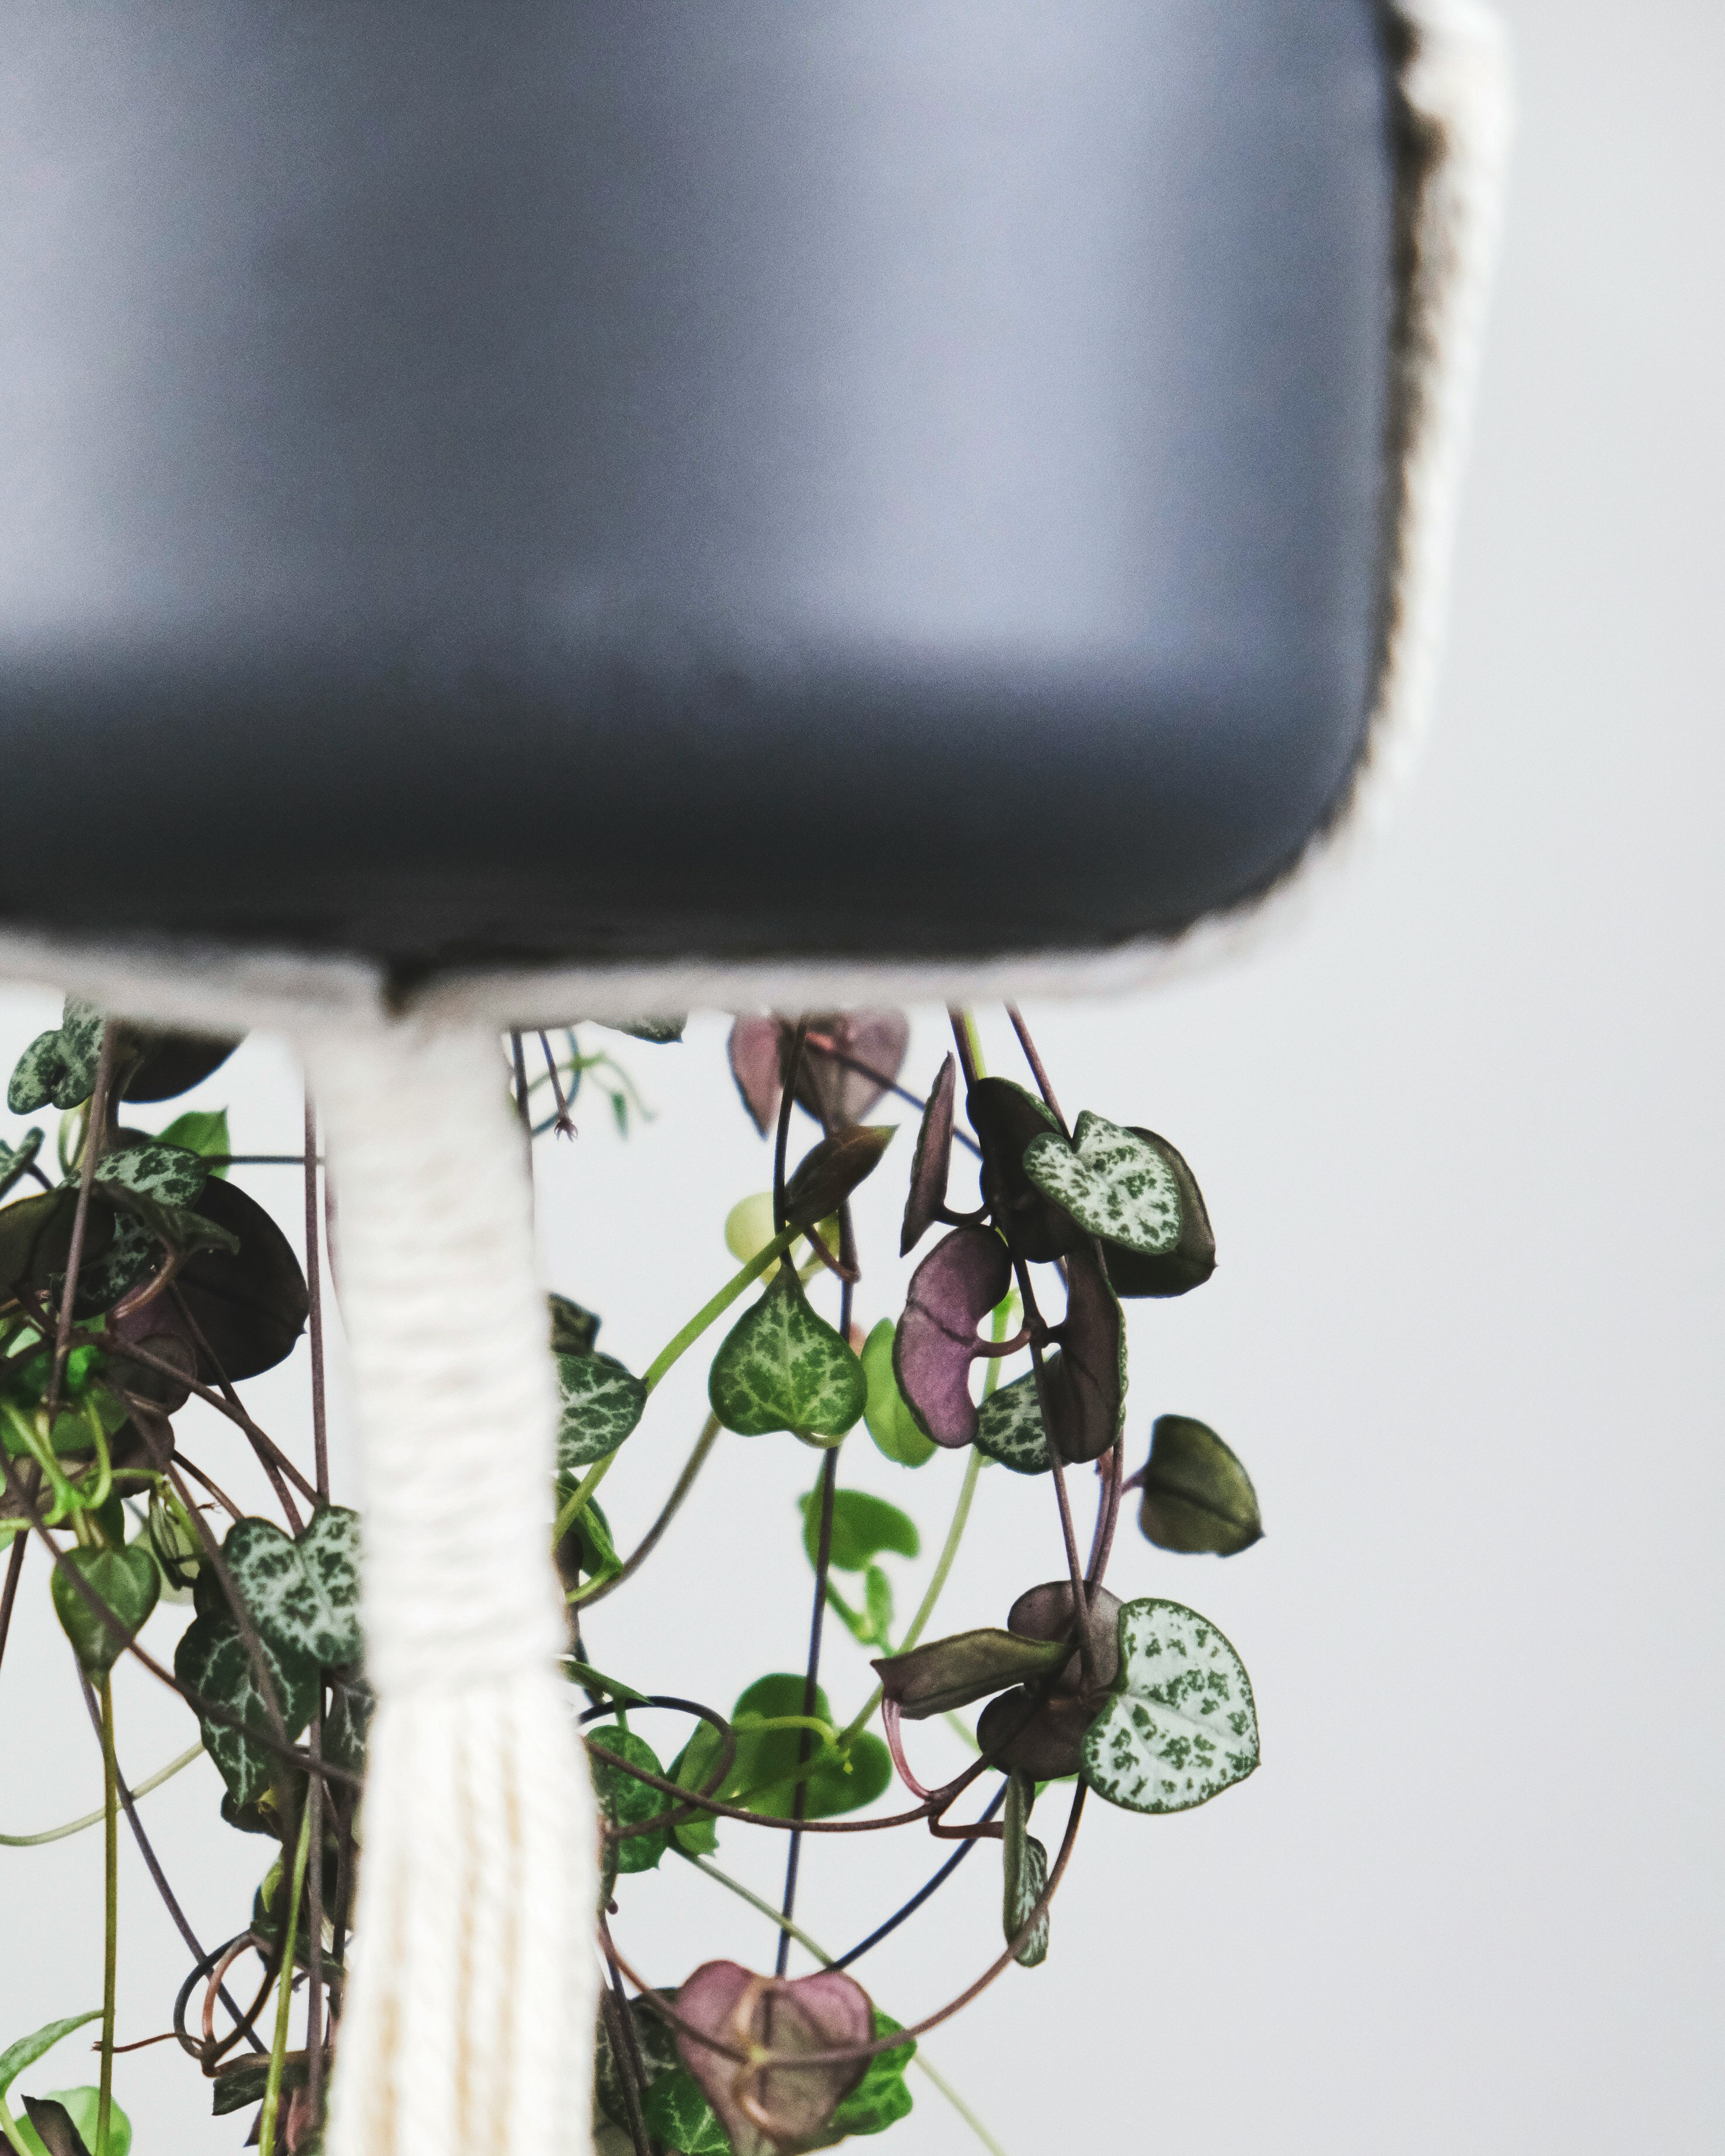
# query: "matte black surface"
[632,476]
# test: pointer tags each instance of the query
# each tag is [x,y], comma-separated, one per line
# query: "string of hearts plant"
[142,1278]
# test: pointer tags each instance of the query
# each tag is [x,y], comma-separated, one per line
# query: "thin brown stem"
[1034,1325]
[1034,1061]
[229,1408]
[8,1594]
[965,1045]
[314,1940]
[237,1609]
[585,1598]
[268,1455]
[220,1495]
[783,1138]
[564,1123]
[313,1302]
[1108,1516]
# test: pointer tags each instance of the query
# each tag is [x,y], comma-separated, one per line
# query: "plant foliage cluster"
[136,1276]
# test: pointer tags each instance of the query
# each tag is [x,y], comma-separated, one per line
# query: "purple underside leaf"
[757,1057]
[1086,1385]
[772,2109]
[830,1088]
[953,1289]
[1046,1738]
[933,1165]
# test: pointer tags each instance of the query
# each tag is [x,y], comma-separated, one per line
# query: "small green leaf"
[1196,1494]
[863,1525]
[890,1423]
[601,1403]
[202,1131]
[27,2049]
[127,1579]
[763,1774]
[82,2106]
[16,1160]
[944,1675]
[691,1769]
[1025,1865]
[781,1368]
[573,1330]
[880,2098]
[1010,1428]
[623,1799]
[153,1169]
[1182,1726]
[1113,1182]
[212,1660]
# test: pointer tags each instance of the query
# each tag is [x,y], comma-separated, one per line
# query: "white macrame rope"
[468,2025]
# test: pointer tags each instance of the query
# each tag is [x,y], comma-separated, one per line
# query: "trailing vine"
[139,1278]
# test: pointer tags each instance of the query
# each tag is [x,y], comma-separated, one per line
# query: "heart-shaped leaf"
[17,1161]
[1192,1259]
[1085,1388]
[1196,1494]
[781,1368]
[863,1526]
[212,1660]
[890,1423]
[1006,1120]
[126,1580]
[763,1774]
[1024,1863]
[1009,1424]
[1042,1732]
[953,1289]
[250,1306]
[602,1402]
[303,1596]
[58,1069]
[1182,1726]
[1113,1182]
[756,1050]
[942,1675]
[849,1061]
[36,1237]
[766,2110]
[623,1800]
[826,1177]
[932,1166]
[151,1168]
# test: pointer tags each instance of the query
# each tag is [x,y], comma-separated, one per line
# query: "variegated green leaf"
[58,1069]
[1025,1864]
[27,2049]
[1112,1183]
[303,1596]
[15,1160]
[781,1368]
[169,1173]
[1009,1425]
[212,1662]
[1181,1726]
[601,1403]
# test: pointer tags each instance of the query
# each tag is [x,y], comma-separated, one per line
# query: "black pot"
[624,477]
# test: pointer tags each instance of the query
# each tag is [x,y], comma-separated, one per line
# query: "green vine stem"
[284,1990]
[111,1908]
[95,1818]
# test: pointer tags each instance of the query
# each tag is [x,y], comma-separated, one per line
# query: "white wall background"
[1461,1139]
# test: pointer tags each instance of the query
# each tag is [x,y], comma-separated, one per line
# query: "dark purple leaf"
[764,2110]
[757,1064]
[54,2127]
[172,1063]
[932,1165]
[946,1674]
[1045,1613]
[952,1291]
[834,1091]
[251,1304]
[826,1177]
[1046,1737]
[1192,1259]
[1085,1384]
[1005,1118]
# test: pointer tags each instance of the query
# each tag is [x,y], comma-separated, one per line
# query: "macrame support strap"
[468,2023]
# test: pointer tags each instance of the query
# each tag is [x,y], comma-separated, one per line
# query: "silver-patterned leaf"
[303,1596]
[58,1069]
[601,1403]
[1111,1181]
[781,1368]
[1009,1425]
[1025,1862]
[212,1662]
[329,1547]
[171,1175]
[1181,1726]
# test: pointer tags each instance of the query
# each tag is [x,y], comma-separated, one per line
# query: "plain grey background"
[1460,1139]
